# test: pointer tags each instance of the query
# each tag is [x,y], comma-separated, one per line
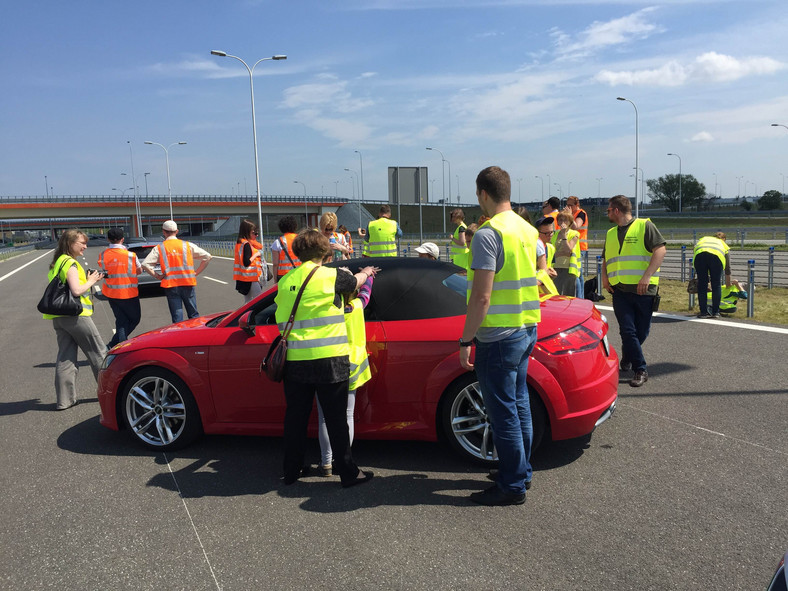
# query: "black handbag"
[274,363]
[58,299]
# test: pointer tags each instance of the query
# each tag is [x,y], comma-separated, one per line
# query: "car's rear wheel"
[160,411]
[465,424]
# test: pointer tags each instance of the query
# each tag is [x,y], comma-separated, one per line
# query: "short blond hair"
[328,219]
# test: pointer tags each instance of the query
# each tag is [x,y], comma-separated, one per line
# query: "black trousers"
[708,268]
[333,399]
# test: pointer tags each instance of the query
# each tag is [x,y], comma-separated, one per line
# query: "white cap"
[429,248]
[169,226]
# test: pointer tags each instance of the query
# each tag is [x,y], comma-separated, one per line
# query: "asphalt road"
[684,488]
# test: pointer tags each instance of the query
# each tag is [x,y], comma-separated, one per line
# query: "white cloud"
[331,93]
[600,35]
[703,136]
[708,67]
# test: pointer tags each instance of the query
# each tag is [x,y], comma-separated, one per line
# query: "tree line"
[665,191]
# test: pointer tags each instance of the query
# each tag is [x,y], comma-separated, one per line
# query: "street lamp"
[541,179]
[361,166]
[443,177]
[679,157]
[167,157]
[715,183]
[621,98]
[599,187]
[306,213]
[336,189]
[560,190]
[779,125]
[254,129]
[518,189]
[359,194]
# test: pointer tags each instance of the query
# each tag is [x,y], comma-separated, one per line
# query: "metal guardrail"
[7,253]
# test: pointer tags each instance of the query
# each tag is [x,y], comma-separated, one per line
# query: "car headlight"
[107,360]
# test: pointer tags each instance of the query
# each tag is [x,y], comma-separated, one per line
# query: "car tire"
[464,424]
[159,410]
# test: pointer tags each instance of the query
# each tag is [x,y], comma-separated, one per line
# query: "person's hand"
[465,358]
[552,272]
[370,271]
[567,209]
[336,246]
[94,277]
[606,284]
[643,285]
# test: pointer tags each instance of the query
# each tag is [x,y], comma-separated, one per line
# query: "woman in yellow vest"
[74,332]
[318,355]
[247,267]
[359,367]
[567,255]
[463,259]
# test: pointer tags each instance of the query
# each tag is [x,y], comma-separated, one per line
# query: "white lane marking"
[194,527]
[212,279]
[223,258]
[713,321]
[7,275]
[777,451]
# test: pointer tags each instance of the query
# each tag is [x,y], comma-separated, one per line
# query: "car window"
[263,312]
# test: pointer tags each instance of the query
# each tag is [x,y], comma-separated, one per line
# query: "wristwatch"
[465,343]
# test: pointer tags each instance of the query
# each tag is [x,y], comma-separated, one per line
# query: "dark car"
[147,283]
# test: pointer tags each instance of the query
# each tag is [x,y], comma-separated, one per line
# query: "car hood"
[171,335]
[561,313]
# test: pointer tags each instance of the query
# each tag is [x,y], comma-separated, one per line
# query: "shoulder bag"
[58,299]
[274,363]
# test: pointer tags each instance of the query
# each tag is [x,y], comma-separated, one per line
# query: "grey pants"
[75,332]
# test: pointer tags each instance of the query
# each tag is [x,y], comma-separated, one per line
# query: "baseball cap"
[429,248]
[169,226]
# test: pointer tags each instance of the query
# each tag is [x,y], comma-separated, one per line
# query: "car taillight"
[568,342]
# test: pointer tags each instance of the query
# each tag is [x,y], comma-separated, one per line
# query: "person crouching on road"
[318,355]
[178,275]
[120,285]
[74,332]
[359,366]
[247,262]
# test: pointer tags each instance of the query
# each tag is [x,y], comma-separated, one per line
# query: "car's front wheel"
[160,411]
[465,424]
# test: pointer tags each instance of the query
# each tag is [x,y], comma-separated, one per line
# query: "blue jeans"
[708,267]
[185,295]
[580,288]
[501,367]
[633,313]
[127,316]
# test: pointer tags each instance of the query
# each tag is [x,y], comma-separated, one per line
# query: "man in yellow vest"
[633,252]
[457,243]
[381,235]
[710,257]
[580,224]
[503,311]
[121,268]
[178,275]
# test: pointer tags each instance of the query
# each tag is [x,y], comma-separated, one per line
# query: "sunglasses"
[328,230]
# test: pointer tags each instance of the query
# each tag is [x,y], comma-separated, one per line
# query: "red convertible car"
[202,375]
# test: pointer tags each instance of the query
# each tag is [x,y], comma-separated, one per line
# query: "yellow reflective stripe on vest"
[712,245]
[357,337]
[314,322]
[456,249]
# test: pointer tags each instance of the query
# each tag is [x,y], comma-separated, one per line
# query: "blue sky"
[527,85]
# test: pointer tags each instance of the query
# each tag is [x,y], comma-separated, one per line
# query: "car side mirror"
[245,323]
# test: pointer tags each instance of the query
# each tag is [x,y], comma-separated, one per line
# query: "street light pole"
[306,213]
[361,167]
[518,189]
[560,190]
[355,175]
[541,179]
[621,98]
[443,181]
[679,157]
[599,187]
[254,130]
[167,158]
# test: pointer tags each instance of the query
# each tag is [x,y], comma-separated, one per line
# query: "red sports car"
[202,375]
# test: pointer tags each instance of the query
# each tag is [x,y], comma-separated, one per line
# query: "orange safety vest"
[285,266]
[177,263]
[583,230]
[121,267]
[250,273]
[554,215]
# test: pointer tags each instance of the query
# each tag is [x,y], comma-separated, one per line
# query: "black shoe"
[362,477]
[495,497]
[641,377]
[291,478]
[493,475]
[625,365]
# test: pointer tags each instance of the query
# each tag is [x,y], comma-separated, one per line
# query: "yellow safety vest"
[319,329]
[514,301]
[713,245]
[456,250]
[382,238]
[87,304]
[357,338]
[571,262]
[549,253]
[463,259]
[626,263]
